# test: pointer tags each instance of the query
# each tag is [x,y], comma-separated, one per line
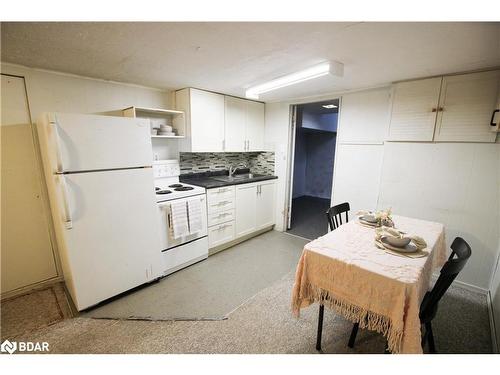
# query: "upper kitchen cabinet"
[244,125]
[455,108]
[414,108]
[465,107]
[204,120]
[254,128]
[235,123]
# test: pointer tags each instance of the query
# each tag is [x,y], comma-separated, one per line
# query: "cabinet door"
[414,109]
[245,209]
[265,205]
[235,119]
[465,108]
[26,249]
[207,121]
[254,129]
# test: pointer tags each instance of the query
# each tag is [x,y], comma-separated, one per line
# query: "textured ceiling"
[229,57]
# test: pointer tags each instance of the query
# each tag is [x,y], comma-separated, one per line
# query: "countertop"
[206,179]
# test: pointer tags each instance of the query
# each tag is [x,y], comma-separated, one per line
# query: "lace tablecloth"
[346,272]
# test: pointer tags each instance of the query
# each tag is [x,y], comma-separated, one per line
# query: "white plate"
[367,223]
[410,248]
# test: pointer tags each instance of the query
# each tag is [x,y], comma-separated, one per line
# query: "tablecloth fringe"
[366,319]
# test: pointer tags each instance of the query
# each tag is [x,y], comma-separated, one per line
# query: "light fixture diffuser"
[334,68]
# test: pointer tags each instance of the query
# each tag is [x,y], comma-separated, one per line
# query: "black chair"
[460,253]
[334,215]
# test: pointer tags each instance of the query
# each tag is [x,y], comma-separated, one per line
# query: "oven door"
[167,240]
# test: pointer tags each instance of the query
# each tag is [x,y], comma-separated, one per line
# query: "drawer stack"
[220,204]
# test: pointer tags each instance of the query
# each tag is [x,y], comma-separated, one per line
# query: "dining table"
[380,290]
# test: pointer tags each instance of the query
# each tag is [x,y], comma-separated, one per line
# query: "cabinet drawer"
[218,205]
[220,234]
[220,193]
[220,217]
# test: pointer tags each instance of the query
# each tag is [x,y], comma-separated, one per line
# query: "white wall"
[50,91]
[453,183]
[495,283]
[58,92]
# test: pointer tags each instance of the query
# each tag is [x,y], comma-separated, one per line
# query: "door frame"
[291,152]
[289,169]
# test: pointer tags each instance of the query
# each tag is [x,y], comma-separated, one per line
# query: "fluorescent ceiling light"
[329,106]
[320,70]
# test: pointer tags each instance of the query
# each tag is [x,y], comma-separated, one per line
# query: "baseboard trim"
[463,285]
[494,341]
[31,287]
[236,241]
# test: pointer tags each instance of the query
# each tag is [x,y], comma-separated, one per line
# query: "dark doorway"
[314,155]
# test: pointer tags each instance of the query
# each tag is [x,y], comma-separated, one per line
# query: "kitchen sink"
[238,177]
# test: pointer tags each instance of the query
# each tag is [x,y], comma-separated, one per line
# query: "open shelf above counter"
[157,116]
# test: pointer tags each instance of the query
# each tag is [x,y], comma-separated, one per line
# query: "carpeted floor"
[34,310]
[309,217]
[213,288]
[262,324]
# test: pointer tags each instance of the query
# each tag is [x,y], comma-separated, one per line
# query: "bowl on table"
[369,218]
[398,241]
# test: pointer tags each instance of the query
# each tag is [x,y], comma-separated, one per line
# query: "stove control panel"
[166,168]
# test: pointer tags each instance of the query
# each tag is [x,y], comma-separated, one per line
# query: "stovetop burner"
[175,186]
[183,188]
[163,192]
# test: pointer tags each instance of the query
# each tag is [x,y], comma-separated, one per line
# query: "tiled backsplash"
[195,162]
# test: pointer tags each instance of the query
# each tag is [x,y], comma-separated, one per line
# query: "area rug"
[32,311]
[213,288]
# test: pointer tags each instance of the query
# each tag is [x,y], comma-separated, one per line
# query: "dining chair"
[460,253]
[334,215]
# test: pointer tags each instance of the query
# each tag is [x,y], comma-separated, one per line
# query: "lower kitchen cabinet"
[239,210]
[254,207]
[245,209]
[265,205]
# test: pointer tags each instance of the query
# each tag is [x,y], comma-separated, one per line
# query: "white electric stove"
[179,252]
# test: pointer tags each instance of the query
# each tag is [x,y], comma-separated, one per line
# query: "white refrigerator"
[101,191]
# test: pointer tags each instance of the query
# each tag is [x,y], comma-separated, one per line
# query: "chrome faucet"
[232,170]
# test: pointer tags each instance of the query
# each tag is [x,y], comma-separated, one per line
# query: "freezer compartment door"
[75,142]
[109,232]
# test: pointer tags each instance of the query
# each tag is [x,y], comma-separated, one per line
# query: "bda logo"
[8,347]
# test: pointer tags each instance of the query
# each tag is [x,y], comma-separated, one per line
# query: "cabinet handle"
[492,123]
[434,110]
[440,109]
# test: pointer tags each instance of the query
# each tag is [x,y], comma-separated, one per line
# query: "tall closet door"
[27,256]
[414,108]
[466,104]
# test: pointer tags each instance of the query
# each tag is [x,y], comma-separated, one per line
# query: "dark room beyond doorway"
[314,155]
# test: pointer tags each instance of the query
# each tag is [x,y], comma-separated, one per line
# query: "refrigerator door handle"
[68,222]
[57,146]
